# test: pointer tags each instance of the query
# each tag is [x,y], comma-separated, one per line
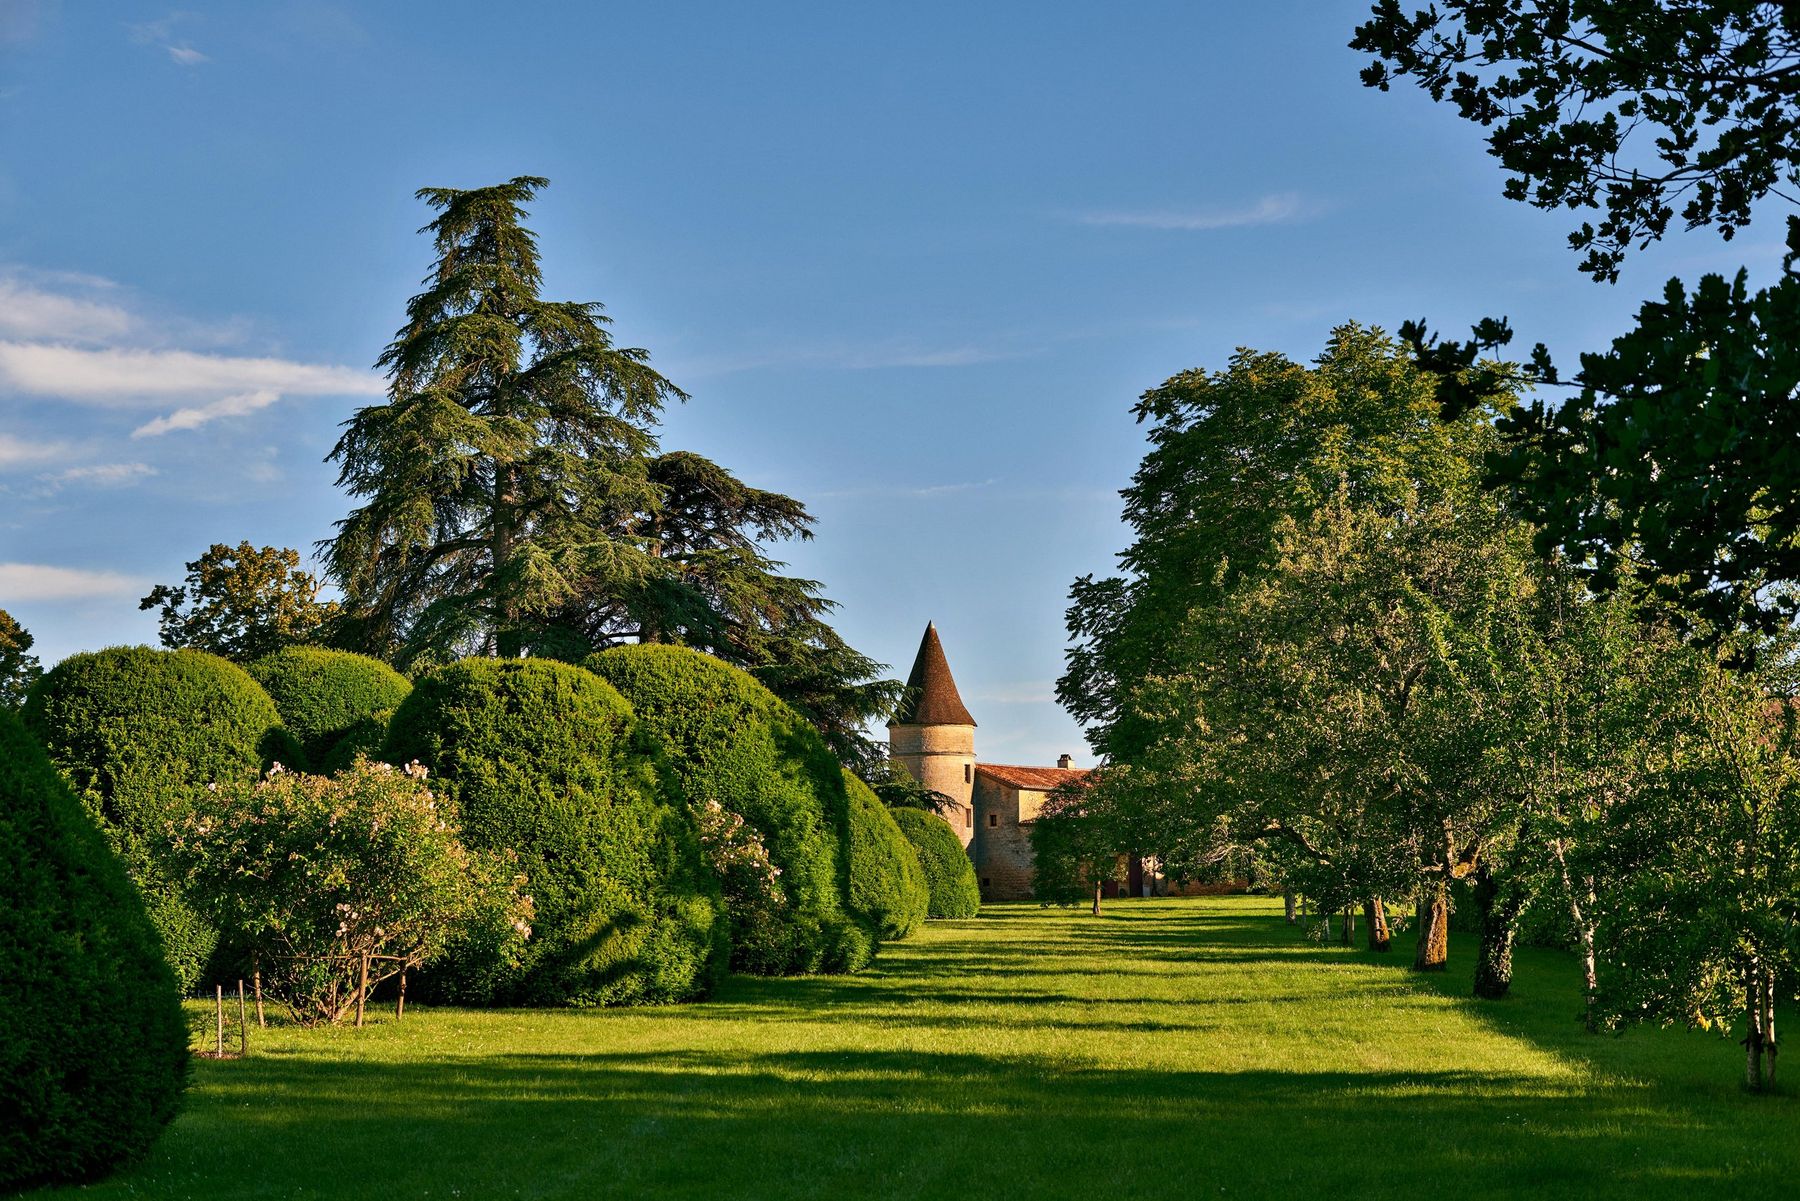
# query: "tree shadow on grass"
[916,1124]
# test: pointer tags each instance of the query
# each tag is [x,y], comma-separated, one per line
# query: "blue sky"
[913,263]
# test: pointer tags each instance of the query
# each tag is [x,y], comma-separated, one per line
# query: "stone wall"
[1004,862]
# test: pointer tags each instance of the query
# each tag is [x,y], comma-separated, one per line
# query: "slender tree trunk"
[1375,920]
[1433,953]
[1499,908]
[1348,933]
[1096,896]
[507,643]
[1584,933]
[1759,1039]
[1290,906]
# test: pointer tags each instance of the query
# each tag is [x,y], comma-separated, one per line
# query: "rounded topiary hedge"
[336,703]
[93,1048]
[545,759]
[949,876]
[731,741]
[139,734]
[887,883]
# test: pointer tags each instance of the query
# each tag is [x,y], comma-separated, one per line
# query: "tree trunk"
[1096,896]
[1348,933]
[1499,926]
[1584,932]
[1375,920]
[1290,907]
[1759,1039]
[1433,953]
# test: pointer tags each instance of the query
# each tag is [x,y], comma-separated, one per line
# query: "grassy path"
[1171,1049]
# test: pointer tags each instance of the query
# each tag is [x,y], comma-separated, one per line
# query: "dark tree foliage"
[495,476]
[515,500]
[241,603]
[335,702]
[730,742]
[546,760]
[1640,109]
[1676,447]
[896,788]
[949,876]
[93,1049]
[140,734]
[888,891]
[18,666]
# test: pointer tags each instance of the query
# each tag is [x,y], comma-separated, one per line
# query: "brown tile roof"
[931,698]
[1037,779]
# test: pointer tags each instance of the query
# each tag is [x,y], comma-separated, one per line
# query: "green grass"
[1184,1049]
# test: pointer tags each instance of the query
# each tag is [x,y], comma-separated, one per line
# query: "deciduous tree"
[241,603]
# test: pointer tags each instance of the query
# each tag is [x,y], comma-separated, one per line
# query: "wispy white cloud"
[134,378]
[21,582]
[18,452]
[1274,209]
[162,33]
[198,415]
[904,492]
[106,475]
[64,308]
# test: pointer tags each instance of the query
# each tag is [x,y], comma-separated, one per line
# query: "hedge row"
[93,1049]
[139,734]
[949,876]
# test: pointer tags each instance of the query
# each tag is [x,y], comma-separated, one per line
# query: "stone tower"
[932,735]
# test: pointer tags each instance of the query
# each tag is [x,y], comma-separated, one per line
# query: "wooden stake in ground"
[243,1025]
[219,1011]
[362,990]
[256,980]
[400,1005]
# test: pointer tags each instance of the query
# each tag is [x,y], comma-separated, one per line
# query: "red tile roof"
[1036,779]
[931,698]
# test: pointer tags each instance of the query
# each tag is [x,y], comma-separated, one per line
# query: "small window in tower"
[968,818]
[986,883]
[968,773]
[993,819]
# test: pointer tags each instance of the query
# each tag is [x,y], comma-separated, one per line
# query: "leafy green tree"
[1700,921]
[313,875]
[241,603]
[18,666]
[1674,449]
[1633,107]
[515,500]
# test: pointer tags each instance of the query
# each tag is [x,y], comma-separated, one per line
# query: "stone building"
[932,736]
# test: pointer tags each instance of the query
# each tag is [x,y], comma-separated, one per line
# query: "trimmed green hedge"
[139,734]
[887,884]
[93,1046]
[730,740]
[949,875]
[546,760]
[328,698]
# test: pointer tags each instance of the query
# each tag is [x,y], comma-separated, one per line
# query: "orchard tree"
[18,666]
[241,603]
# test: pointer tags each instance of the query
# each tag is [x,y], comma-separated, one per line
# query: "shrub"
[139,734]
[545,759]
[887,884]
[328,697]
[949,876]
[93,1048]
[311,874]
[729,741]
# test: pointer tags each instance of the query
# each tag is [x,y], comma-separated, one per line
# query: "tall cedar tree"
[516,502]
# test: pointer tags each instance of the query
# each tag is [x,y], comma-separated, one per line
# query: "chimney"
[1065,761]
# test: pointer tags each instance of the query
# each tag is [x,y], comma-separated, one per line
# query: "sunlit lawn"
[1193,1048]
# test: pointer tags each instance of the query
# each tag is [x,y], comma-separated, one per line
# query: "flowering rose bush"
[315,873]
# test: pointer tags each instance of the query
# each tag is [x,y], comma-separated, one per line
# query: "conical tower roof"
[931,698]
